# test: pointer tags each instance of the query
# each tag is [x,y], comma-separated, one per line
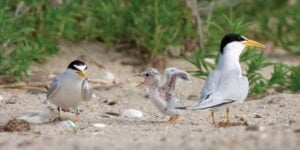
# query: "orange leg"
[59,111]
[227,117]
[213,117]
[170,120]
[174,119]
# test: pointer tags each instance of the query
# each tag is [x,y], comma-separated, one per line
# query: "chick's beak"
[252,43]
[142,83]
[82,74]
[140,75]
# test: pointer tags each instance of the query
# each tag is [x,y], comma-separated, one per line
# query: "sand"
[274,119]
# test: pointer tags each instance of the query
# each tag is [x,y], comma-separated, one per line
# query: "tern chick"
[163,97]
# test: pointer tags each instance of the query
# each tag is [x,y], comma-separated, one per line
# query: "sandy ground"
[277,115]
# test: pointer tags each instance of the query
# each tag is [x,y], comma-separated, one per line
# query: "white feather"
[80,67]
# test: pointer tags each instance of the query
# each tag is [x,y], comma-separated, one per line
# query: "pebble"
[1,98]
[106,75]
[66,123]
[132,113]
[99,125]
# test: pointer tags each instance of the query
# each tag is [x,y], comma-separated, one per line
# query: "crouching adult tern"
[163,97]
[68,89]
[226,84]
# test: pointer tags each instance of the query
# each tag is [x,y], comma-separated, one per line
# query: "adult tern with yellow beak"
[68,89]
[226,84]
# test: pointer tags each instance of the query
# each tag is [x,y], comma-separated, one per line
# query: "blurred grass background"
[30,30]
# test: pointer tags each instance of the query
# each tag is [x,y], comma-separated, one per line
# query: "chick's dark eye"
[146,74]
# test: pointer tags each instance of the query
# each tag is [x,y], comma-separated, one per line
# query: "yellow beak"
[82,74]
[252,43]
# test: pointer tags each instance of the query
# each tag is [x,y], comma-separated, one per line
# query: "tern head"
[151,76]
[236,43]
[78,67]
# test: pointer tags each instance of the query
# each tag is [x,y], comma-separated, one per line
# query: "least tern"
[226,84]
[163,97]
[68,89]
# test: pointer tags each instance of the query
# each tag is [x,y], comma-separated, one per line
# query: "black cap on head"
[76,64]
[231,37]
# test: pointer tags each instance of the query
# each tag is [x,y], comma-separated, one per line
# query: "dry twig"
[193,6]
[28,85]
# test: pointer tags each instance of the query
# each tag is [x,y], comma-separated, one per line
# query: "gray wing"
[169,87]
[231,87]
[171,75]
[86,91]
[210,84]
[54,86]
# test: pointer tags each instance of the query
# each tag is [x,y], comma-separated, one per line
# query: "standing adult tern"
[226,84]
[68,89]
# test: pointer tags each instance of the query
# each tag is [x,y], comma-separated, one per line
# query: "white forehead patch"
[80,67]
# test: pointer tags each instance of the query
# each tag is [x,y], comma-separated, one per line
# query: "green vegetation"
[265,20]
[21,41]
[30,30]
[284,77]
[272,21]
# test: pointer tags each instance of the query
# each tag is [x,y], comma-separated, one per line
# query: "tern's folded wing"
[233,86]
[210,85]
[86,92]
[54,86]
[230,87]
